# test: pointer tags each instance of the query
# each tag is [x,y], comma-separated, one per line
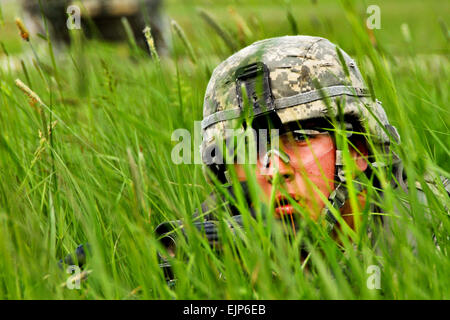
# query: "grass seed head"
[180,32]
[150,42]
[23,30]
[34,98]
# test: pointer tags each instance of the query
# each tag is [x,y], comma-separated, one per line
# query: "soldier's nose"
[279,162]
[285,171]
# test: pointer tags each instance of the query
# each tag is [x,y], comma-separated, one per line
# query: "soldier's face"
[308,174]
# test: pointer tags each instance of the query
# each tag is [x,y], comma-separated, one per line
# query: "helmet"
[297,74]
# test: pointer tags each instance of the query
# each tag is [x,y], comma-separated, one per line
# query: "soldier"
[99,17]
[299,74]
[315,96]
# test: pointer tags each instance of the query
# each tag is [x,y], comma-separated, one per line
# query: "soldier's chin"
[289,215]
[292,226]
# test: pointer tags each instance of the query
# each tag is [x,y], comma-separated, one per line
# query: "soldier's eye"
[300,137]
[304,135]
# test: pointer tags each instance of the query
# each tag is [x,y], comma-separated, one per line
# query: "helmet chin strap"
[339,195]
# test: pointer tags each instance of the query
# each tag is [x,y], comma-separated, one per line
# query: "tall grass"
[103,175]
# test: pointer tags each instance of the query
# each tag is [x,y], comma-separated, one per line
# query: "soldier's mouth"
[284,207]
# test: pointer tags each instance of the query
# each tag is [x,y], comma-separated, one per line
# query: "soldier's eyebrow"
[305,125]
[312,131]
[320,125]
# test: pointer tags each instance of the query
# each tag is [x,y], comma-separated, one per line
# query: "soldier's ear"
[360,153]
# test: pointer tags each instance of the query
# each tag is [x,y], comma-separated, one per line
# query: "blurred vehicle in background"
[99,18]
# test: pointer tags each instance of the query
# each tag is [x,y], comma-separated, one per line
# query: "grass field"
[103,174]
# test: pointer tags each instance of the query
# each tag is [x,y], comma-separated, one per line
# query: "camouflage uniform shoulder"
[436,185]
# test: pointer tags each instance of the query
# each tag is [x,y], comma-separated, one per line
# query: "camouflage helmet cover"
[301,69]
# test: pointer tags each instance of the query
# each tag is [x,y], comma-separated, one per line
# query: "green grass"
[104,175]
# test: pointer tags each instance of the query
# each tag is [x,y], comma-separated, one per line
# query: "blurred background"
[247,20]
